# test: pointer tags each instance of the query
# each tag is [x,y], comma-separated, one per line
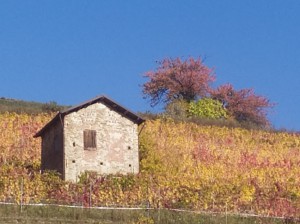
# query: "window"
[89,139]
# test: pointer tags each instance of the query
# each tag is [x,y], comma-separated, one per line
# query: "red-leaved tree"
[178,79]
[243,105]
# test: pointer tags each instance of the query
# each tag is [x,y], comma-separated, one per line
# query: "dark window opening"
[89,139]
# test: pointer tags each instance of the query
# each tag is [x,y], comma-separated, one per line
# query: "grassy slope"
[182,166]
[55,214]
[20,106]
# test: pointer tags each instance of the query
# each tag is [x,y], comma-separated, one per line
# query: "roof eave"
[106,100]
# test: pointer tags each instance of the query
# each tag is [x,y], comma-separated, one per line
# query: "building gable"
[103,99]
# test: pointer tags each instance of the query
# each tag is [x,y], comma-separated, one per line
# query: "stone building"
[97,135]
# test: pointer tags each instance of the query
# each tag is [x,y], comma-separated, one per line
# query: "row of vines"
[183,165]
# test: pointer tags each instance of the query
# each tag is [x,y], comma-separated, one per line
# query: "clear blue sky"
[71,51]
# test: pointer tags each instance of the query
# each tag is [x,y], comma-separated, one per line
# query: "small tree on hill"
[176,79]
[243,105]
[180,83]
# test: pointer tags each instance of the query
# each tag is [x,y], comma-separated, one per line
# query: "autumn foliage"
[211,168]
[16,132]
[243,104]
[183,165]
[177,79]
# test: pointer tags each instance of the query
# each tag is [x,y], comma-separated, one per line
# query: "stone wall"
[52,149]
[116,139]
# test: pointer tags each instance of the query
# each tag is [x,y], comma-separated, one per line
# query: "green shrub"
[207,108]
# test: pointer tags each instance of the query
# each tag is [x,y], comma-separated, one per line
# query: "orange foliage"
[206,167]
[183,165]
[16,137]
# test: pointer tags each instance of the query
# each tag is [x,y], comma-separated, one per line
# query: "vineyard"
[183,165]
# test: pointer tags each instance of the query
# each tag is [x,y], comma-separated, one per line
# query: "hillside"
[21,106]
[183,165]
